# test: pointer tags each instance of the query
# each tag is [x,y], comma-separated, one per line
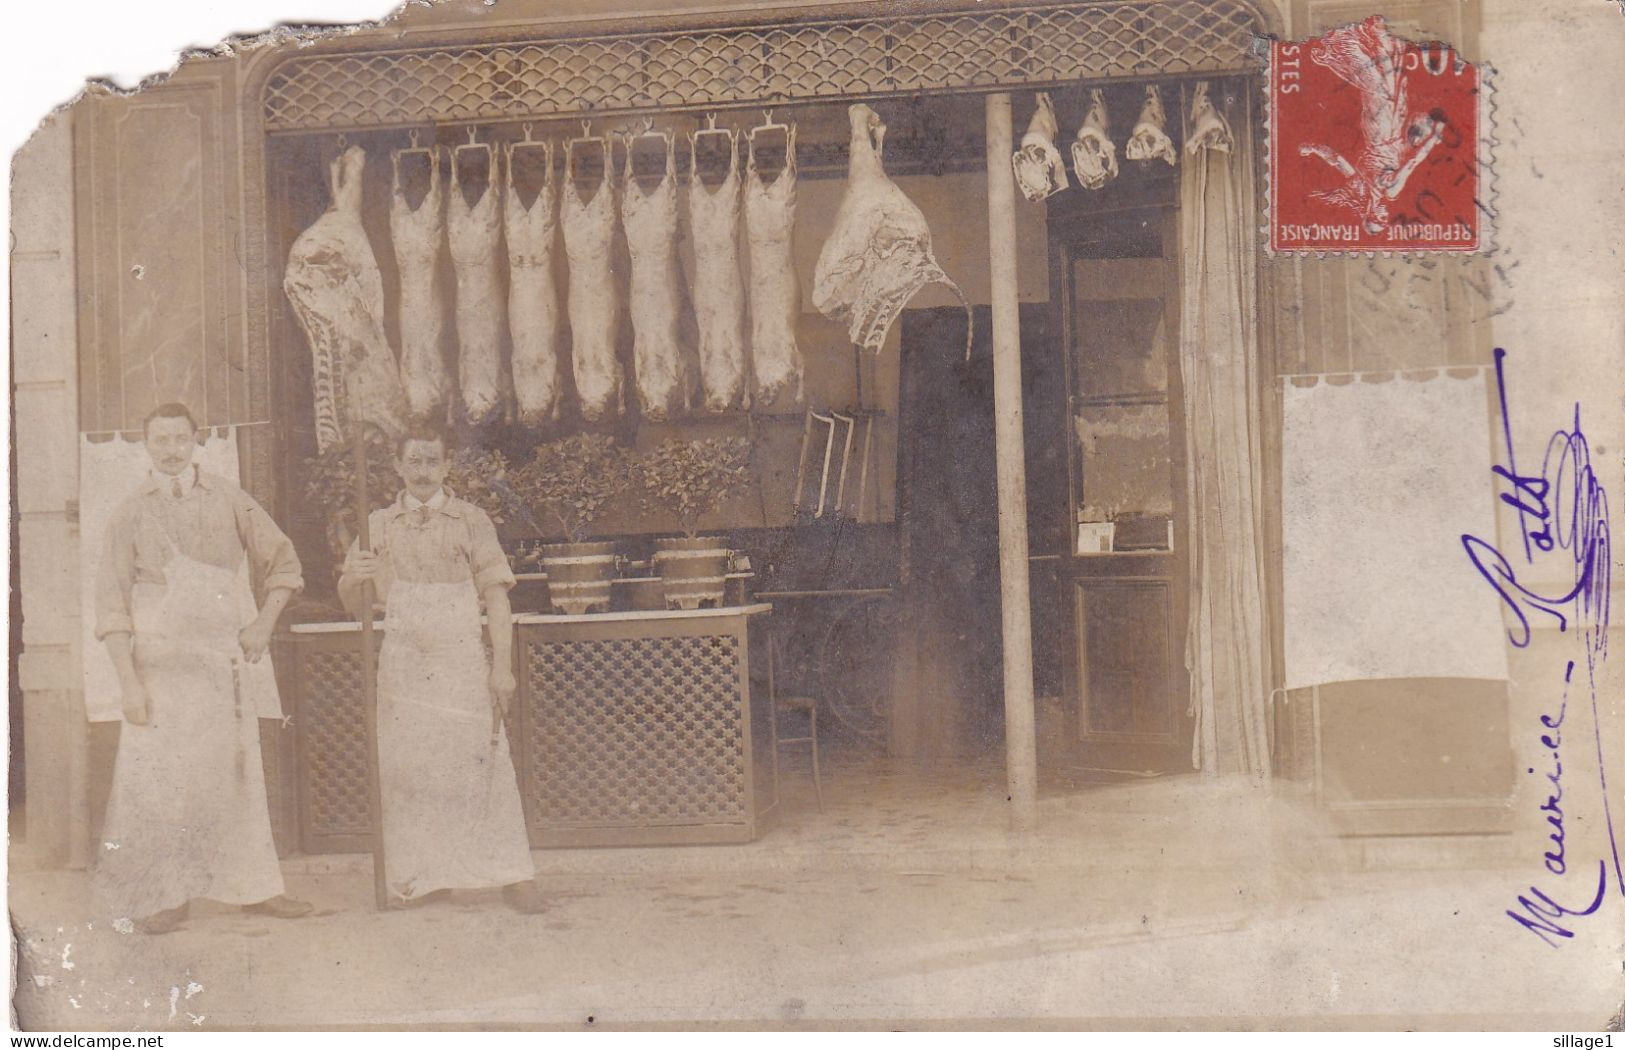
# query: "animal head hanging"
[1040,171]
[1208,128]
[1094,157]
[1150,137]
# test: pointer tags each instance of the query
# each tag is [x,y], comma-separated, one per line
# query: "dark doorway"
[950,520]
[952,525]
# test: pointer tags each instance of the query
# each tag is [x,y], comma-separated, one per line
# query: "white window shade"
[1379,482]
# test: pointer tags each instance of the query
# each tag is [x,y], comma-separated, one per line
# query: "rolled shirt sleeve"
[485,555]
[269,547]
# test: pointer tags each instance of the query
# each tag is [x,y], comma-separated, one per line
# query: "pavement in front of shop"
[907,902]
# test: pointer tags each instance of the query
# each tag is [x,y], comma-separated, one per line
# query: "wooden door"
[1122,580]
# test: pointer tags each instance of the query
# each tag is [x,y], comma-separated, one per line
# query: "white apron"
[188,816]
[452,817]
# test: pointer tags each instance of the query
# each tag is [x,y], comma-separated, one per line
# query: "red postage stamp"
[1374,145]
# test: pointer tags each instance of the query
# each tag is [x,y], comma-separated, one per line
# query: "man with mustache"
[452,817]
[188,816]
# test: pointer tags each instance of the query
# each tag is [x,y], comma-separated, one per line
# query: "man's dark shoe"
[167,921]
[280,907]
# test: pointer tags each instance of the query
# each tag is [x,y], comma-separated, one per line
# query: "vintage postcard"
[573,514]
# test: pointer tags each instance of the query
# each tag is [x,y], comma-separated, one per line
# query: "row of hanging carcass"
[877,255]
[1041,172]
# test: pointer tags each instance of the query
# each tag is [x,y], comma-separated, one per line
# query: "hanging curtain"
[1226,641]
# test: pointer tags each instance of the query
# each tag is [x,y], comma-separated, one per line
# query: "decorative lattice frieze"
[760,64]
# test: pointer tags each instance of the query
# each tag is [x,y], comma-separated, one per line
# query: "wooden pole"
[1020,740]
[369,670]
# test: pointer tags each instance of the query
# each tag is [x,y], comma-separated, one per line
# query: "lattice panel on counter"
[762,64]
[636,732]
[334,745]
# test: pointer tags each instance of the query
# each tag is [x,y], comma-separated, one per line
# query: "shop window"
[1120,420]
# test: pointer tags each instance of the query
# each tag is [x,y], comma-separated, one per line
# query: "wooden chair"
[799,705]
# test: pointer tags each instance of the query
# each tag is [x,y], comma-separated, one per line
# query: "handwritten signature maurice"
[1563,521]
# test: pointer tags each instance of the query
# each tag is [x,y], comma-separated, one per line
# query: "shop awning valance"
[797,59]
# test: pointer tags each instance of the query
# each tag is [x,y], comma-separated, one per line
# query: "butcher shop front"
[748,270]
[829,371]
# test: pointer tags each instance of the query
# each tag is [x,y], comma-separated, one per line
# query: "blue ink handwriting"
[1562,514]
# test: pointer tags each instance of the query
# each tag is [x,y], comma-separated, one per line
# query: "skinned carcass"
[660,357]
[531,235]
[473,231]
[719,289]
[878,254]
[337,294]
[775,290]
[417,235]
[595,312]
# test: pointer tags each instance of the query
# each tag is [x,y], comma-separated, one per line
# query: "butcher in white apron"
[451,811]
[188,816]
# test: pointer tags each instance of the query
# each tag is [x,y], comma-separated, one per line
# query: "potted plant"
[568,482]
[689,478]
[482,477]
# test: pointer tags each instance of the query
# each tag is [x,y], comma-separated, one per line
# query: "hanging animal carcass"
[878,254]
[337,294]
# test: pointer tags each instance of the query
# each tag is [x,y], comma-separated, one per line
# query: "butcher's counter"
[630,729]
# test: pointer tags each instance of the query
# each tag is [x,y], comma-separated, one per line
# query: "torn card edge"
[299,35]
